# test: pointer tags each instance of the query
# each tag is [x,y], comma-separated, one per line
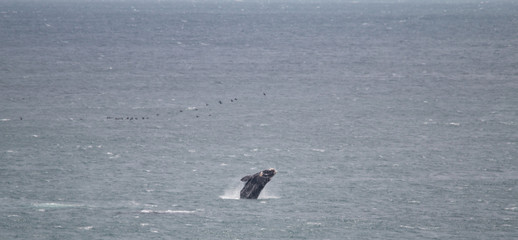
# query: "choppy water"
[384,120]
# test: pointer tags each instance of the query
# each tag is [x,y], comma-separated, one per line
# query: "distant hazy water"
[384,120]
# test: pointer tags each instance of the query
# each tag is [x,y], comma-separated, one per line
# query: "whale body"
[255,183]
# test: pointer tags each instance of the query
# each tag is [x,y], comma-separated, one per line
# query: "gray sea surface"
[137,119]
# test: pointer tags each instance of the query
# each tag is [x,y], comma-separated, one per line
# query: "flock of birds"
[132,118]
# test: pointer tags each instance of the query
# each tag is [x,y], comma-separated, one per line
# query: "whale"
[255,183]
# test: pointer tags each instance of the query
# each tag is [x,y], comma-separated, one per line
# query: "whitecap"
[167,211]
[405,226]
[178,211]
[314,223]
[318,150]
[50,205]
[5,119]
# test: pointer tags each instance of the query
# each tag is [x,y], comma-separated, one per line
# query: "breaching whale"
[255,183]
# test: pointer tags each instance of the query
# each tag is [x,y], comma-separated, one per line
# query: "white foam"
[318,150]
[5,120]
[405,226]
[55,205]
[314,223]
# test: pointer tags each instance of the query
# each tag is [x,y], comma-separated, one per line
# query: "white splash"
[233,192]
[266,194]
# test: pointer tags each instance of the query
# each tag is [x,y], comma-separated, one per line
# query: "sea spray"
[234,188]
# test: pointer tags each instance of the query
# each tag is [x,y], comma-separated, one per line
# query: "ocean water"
[136,119]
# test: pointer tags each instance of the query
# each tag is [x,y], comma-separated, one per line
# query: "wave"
[55,205]
[167,211]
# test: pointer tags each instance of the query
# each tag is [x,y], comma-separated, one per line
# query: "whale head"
[269,173]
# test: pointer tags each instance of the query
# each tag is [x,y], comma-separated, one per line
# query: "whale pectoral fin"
[246,178]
